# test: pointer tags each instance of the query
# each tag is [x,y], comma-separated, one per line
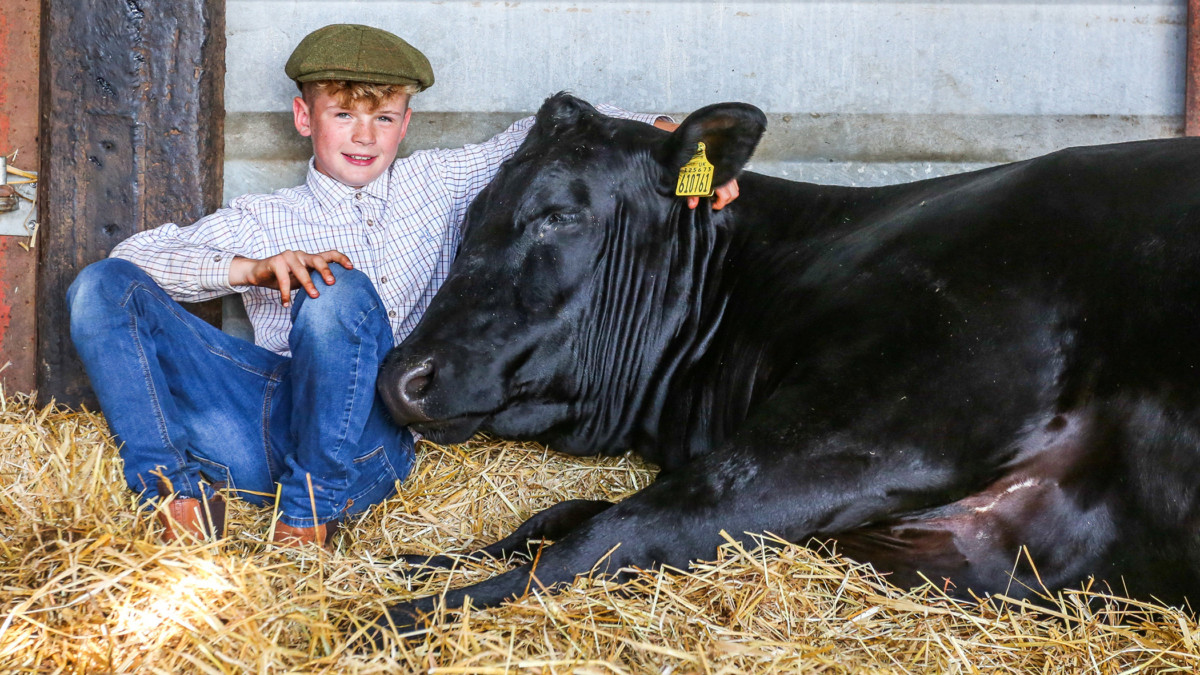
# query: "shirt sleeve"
[192,263]
[467,170]
[620,113]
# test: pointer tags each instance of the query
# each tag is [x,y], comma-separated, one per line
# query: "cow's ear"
[561,111]
[730,132]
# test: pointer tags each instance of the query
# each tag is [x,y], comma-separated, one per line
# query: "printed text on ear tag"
[695,178]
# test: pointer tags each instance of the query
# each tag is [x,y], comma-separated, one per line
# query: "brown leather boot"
[322,535]
[191,518]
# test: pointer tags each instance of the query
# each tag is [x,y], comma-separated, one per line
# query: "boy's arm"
[469,169]
[192,263]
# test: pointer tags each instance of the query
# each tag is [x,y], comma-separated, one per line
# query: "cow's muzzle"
[403,389]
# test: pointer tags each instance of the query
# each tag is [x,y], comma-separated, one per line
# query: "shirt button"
[392,313]
[383,279]
[370,223]
[216,258]
[358,195]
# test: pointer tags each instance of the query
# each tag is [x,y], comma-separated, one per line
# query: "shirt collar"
[330,192]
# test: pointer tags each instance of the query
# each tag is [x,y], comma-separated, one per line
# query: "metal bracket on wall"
[18,208]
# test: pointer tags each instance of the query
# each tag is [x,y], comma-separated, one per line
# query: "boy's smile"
[354,146]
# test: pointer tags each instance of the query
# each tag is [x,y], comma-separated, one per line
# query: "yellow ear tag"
[695,178]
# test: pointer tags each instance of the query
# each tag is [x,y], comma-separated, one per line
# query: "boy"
[367,238]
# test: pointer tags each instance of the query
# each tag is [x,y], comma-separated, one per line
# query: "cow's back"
[1103,241]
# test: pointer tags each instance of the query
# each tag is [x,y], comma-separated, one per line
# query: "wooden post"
[132,124]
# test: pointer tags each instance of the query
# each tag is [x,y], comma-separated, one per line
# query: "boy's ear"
[730,132]
[404,123]
[302,116]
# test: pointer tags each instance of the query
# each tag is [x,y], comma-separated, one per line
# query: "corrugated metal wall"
[857,92]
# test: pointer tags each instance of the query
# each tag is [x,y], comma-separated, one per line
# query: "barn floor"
[85,587]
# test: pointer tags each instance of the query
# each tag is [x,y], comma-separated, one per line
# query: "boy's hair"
[349,94]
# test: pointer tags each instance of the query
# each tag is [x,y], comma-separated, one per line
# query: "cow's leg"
[831,484]
[551,524]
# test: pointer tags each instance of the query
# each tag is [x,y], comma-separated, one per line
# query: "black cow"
[932,374]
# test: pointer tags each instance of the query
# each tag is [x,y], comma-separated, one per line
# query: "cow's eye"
[556,222]
[558,219]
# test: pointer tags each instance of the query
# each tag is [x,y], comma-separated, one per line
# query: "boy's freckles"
[352,145]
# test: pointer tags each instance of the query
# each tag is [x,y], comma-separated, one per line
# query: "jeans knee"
[349,284]
[98,287]
[344,306]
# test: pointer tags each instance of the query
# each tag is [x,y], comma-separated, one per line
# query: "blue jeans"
[190,402]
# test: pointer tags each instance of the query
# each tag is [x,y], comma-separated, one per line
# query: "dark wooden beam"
[132,124]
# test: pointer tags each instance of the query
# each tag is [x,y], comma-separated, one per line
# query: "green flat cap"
[345,51]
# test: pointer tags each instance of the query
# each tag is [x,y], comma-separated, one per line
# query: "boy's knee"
[351,291]
[345,304]
[99,283]
[346,281]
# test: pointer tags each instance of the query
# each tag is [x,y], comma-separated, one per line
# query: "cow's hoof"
[368,639]
[409,621]
[373,639]
[420,567]
[434,562]
[404,623]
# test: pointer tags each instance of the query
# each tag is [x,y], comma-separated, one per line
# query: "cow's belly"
[1015,541]
[1071,509]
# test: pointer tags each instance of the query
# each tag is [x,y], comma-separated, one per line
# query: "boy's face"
[355,145]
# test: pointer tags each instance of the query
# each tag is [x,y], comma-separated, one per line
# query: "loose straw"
[86,586]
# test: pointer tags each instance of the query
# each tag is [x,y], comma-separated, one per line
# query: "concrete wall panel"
[856,90]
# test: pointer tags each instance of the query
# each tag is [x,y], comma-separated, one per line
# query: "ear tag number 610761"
[696,177]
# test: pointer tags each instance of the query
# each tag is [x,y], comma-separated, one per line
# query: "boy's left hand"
[722,196]
[285,270]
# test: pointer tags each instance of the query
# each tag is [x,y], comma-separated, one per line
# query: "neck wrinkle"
[696,289]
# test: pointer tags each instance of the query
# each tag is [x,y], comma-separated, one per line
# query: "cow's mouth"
[448,431]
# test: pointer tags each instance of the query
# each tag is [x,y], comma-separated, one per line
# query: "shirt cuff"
[214,272]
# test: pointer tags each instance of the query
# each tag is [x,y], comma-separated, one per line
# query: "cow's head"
[578,290]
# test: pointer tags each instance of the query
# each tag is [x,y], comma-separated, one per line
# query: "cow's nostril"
[415,382]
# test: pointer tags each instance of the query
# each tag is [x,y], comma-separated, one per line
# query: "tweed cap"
[345,51]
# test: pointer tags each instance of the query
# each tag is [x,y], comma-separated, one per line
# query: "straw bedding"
[86,587]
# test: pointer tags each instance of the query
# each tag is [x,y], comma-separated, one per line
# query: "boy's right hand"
[285,270]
